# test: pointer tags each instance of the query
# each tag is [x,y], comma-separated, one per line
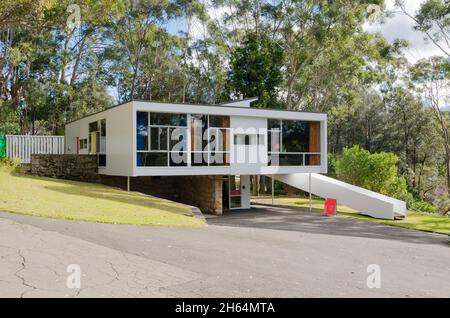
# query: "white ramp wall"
[360,199]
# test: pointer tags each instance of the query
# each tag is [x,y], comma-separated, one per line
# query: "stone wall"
[204,192]
[72,167]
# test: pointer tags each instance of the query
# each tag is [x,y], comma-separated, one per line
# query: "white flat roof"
[221,109]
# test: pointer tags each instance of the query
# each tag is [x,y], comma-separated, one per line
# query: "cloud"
[400,26]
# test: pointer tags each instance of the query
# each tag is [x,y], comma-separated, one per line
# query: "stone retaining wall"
[72,167]
[204,192]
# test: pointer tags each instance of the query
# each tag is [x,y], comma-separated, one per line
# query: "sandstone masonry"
[72,167]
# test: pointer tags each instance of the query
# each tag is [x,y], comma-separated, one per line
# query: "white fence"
[22,146]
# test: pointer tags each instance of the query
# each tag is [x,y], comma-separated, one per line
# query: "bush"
[331,165]
[422,206]
[377,172]
[10,163]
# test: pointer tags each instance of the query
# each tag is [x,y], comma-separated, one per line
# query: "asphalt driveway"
[262,252]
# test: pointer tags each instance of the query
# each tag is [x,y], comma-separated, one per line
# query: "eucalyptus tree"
[432,79]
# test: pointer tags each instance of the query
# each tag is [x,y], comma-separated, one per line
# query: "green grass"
[72,200]
[414,220]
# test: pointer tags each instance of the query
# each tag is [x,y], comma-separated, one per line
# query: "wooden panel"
[314,142]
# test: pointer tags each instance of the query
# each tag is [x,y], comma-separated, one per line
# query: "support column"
[273,191]
[310,197]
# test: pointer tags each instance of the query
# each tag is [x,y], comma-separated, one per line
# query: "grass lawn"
[63,199]
[414,220]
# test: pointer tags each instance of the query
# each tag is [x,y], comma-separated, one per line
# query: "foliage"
[422,206]
[376,172]
[255,70]
[10,163]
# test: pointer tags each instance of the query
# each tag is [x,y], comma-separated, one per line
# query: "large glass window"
[210,138]
[293,143]
[161,139]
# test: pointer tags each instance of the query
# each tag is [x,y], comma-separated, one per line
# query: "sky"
[400,26]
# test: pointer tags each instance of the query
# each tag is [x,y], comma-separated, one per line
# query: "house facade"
[226,143]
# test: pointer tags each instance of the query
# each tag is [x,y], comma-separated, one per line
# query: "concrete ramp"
[367,202]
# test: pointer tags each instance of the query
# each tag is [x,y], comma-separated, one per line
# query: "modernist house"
[174,144]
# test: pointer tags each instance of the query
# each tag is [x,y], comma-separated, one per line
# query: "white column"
[273,190]
[310,197]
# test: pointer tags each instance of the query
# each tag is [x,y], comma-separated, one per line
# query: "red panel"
[235,192]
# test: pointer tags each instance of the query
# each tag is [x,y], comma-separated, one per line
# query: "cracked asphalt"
[33,263]
[262,252]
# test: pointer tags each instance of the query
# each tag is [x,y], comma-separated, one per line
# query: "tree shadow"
[296,219]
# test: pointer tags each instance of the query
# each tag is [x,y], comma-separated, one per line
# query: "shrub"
[10,163]
[377,172]
[422,206]
[331,165]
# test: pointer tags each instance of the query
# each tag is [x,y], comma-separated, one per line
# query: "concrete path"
[262,252]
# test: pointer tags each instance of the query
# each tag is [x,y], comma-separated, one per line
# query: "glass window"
[295,136]
[102,160]
[142,131]
[274,139]
[178,159]
[158,137]
[199,132]
[103,127]
[219,121]
[298,143]
[152,159]
[248,140]
[199,159]
[219,159]
[166,119]
[93,127]
[273,124]
[178,139]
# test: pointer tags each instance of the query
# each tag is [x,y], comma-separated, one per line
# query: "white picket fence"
[22,146]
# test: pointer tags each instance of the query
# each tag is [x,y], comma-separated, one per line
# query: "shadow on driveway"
[295,219]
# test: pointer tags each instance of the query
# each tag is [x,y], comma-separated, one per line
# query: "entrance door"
[235,192]
[239,192]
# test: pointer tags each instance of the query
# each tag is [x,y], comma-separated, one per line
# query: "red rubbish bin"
[330,207]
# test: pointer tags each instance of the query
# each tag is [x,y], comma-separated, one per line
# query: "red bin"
[330,207]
